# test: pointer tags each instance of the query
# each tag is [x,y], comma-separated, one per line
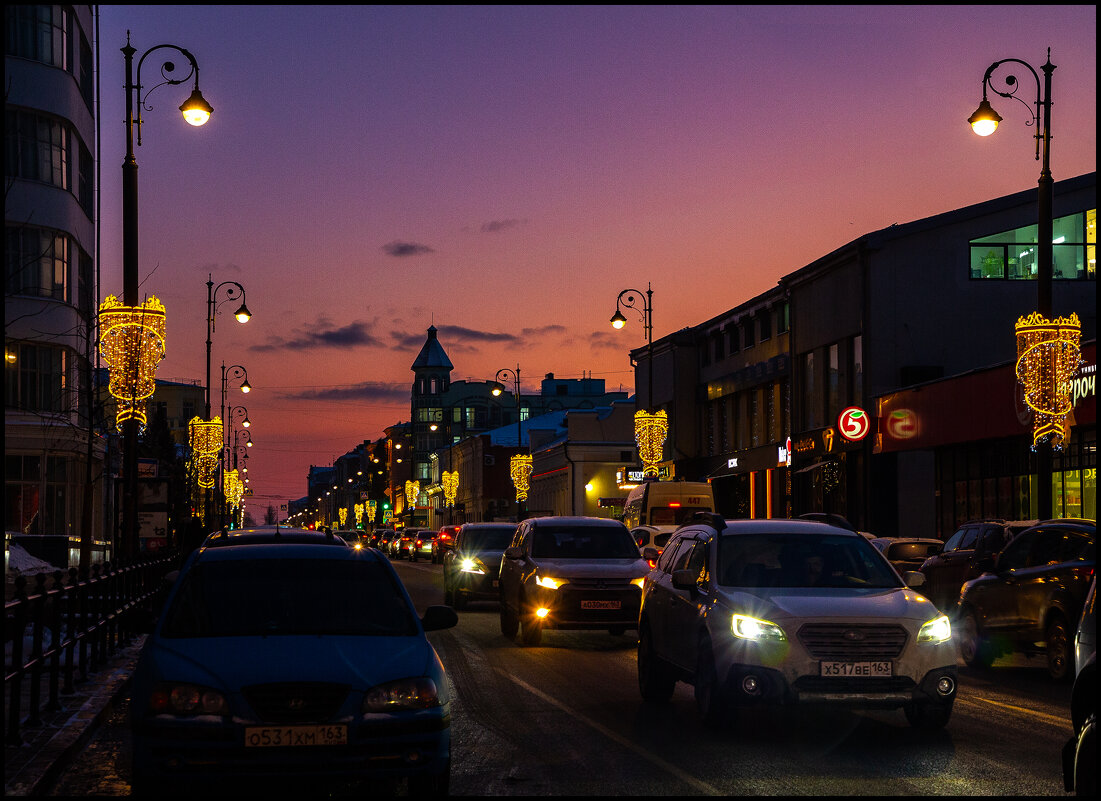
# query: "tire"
[510,623]
[1060,649]
[531,630]
[656,681]
[412,556]
[1085,759]
[713,706]
[974,648]
[928,716]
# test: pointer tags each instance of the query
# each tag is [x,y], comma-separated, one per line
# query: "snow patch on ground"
[20,563]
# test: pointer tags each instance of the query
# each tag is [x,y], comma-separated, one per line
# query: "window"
[833,380]
[40,33]
[812,391]
[37,262]
[22,485]
[733,340]
[38,380]
[766,325]
[37,148]
[858,369]
[1012,254]
[783,318]
[749,333]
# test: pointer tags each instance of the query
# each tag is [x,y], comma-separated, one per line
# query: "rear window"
[578,542]
[278,597]
[912,551]
[674,515]
[802,560]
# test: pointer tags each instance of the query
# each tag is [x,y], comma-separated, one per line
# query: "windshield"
[674,515]
[578,542]
[288,597]
[487,539]
[802,560]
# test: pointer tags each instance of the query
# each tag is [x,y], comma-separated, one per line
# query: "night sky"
[503,172]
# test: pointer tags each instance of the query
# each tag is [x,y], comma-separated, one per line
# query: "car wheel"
[510,624]
[928,716]
[710,700]
[655,680]
[974,648]
[531,630]
[1060,650]
[1085,759]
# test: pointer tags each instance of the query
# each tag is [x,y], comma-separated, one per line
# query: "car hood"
[888,604]
[229,663]
[593,568]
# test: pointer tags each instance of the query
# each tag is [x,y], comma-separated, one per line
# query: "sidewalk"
[48,747]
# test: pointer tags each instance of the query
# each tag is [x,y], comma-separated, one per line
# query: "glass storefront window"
[1012,254]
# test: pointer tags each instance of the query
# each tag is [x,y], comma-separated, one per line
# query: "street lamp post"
[242,314]
[984,122]
[196,111]
[628,299]
[507,374]
[234,371]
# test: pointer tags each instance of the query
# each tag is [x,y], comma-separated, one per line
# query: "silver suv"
[570,573]
[791,612]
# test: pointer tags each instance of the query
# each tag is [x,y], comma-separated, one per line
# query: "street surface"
[565,718]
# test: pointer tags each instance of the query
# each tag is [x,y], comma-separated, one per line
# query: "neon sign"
[853,423]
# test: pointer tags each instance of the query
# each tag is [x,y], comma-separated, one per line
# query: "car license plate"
[294,736]
[601,605]
[855,669]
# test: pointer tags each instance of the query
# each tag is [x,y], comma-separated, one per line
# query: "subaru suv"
[975,542]
[570,573]
[757,613]
[1031,598]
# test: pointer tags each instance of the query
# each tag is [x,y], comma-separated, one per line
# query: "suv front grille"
[298,702]
[849,643]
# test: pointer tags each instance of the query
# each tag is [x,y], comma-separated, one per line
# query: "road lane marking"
[703,787]
[1054,720]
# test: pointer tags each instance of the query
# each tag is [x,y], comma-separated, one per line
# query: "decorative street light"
[196,111]
[232,372]
[1047,348]
[520,464]
[651,424]
[242,314]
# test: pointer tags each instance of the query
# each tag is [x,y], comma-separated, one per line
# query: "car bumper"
[477,585]
[197,755]
[584,608]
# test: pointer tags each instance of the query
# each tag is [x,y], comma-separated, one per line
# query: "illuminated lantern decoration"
[359,514]
[343,512]
[412,492]
[234,488]
[1048,356]
[205,438]
[651,429]
[132,343]
[520,470]
[450,486]
[371,507]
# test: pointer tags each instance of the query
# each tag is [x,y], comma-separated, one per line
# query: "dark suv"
[1032,598]
[974,542]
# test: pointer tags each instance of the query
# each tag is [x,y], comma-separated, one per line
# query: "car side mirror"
[438,617]
[913,579]
[685,579]
[650,554]
[513,552]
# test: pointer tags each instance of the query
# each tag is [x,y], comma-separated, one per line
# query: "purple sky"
[503,172]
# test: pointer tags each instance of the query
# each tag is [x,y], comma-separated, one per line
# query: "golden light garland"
[1048,356]
[205,438]
[450,481]
[359,514]
[233,486]
[519,468]
[412,492]
[371,507]
[132,342]
[343,512]
[651,429]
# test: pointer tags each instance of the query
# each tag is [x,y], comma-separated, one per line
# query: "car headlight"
[187,699]
[418,693]
[471,566]
[751,628]
[938,629]
[639,582]
[548,582]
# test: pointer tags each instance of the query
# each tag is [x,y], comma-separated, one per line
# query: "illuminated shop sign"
[902,424]
[783,454]
[1083,385]
[853,424]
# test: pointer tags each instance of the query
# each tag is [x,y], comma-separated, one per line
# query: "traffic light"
[385,506]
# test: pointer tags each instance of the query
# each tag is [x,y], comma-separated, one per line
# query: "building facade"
[53,462]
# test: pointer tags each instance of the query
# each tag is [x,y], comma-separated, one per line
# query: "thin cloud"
[402,249]
[457,336]
[366,392]
[324,335]
[496,226]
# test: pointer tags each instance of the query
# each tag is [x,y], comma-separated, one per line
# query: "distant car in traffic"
[472,569]
[769,613]
[973,543]
[442,542]
[422,544]
[286,662]
[654,538]
[1030,597]
[907,553]
[570,573]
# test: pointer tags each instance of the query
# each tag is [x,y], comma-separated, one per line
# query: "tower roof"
[432,355]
